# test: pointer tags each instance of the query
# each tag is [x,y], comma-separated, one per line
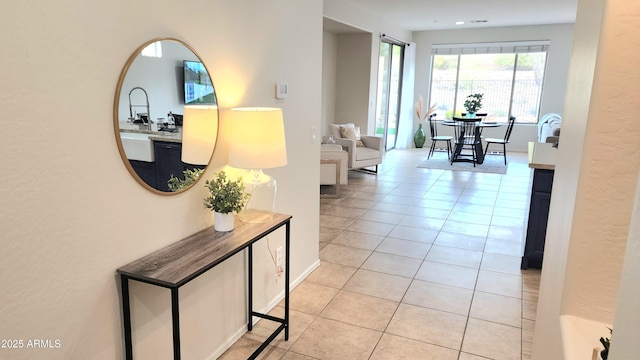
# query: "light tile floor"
[416,264]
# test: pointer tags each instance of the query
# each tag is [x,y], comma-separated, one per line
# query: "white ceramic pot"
[223,222]
[596,353]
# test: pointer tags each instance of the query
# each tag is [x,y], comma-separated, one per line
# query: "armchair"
[360,157]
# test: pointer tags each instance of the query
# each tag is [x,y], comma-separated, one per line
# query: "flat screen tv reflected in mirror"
[198,88]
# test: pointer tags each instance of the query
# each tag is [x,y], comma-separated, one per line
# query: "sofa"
[549,128]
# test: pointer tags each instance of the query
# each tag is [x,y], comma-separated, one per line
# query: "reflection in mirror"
[165,116]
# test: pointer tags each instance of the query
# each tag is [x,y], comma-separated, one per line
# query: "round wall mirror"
[165,116]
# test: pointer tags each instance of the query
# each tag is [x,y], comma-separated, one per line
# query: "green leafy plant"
[226,195]
[606,342]
[190,177]
[473,103]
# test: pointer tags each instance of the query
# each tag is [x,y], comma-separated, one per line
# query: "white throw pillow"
[334,129]
[352,133]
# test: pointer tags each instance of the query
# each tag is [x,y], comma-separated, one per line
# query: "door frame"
[392,42]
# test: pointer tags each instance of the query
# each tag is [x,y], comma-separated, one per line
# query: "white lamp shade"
[257,138]
[199,131]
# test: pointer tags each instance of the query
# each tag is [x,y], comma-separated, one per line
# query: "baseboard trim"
[273,303]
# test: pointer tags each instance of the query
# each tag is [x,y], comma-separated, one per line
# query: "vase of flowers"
[419,137]
[472,104]
[606,343]
[226,198]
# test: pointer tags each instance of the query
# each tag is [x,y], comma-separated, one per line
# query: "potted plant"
[226,198]
[472,104]
[190,177]
[606,342]
[603,354]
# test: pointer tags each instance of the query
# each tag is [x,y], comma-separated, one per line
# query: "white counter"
[542,156]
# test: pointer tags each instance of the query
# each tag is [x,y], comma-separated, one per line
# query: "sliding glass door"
[389,92]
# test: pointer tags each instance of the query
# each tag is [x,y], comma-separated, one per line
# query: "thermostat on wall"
[282,90]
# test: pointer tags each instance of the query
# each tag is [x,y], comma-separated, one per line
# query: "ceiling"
[420,15]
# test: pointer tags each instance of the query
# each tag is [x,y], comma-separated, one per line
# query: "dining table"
[481,125]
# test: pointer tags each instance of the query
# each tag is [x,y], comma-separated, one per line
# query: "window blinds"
[490,48]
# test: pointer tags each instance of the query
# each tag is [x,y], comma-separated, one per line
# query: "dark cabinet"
[538,217]
[168,163]
[145,170]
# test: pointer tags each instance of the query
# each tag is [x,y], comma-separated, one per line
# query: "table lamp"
[199,130]
[258,142]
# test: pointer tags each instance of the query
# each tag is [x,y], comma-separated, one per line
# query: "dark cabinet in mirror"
[165,115]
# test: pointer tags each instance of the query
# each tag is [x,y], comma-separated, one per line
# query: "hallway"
[416,264]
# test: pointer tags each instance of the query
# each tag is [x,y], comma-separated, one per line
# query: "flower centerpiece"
[472,104]
[419,137]
[226,197]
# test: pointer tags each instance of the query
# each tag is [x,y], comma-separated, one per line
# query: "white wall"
[374,25]
[329,56]
[626,344]
[553,93]
[594,188]
[362,18]
[72,214]
[353,74]
[548,343]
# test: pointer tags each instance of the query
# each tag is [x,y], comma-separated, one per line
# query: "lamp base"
[255,216]
[262,190]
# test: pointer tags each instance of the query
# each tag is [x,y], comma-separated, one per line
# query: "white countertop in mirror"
[158,135]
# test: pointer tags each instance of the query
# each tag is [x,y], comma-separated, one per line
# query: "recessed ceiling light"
[459,22]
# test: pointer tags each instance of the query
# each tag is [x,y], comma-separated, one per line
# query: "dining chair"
[505,141]
[435,137]
[480,117]
[467,137]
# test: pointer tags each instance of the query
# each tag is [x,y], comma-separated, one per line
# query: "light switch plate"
[313,134]
[282,90]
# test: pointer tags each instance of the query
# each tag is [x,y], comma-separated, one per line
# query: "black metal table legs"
[175,300]
[175,320]
[284,322]
[287,280]
[250,288]
[126,317]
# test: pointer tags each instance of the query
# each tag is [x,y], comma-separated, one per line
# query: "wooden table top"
[182,261]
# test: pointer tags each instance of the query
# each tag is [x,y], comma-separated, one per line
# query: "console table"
[177,264]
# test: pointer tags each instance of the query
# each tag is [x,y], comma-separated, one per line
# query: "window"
[510,77]
[153,50]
